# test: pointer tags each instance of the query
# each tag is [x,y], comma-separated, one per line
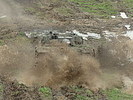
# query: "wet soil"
[12,90]
[11,28]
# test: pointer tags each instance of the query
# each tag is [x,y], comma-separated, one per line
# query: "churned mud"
[26,65]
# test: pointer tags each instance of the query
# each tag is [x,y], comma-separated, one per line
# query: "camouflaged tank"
[43,38]
[76,40]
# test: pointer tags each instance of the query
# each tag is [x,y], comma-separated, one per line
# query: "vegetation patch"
[1,88]
[21,34]
[80,93]
[116,94]
[65,11]
[102,8]
[105,8]
[47,92]
[1,42]
[30,10]
[1,91]
[129,6]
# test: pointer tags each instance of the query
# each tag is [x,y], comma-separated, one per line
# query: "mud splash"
[57,66]
[15,59]
[116,59]
[14,18]
[60,65]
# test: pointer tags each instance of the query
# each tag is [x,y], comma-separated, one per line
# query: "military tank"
[46,36]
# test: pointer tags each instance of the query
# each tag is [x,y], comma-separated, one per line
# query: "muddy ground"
[29,15]
[97,65]
[15,91]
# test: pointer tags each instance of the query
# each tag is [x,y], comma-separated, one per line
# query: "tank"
[45,37]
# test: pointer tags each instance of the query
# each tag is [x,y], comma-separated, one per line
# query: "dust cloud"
[13,16]
[15,58]
[57,65]
[116,59]
[60,65]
